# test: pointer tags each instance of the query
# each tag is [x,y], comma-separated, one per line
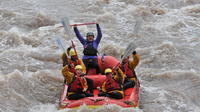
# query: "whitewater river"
[166,33]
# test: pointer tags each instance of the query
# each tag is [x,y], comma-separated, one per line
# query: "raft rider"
[90,48]
[128,67]
[113,87]
[77,85]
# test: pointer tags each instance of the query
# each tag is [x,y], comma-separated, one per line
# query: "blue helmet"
[90,34]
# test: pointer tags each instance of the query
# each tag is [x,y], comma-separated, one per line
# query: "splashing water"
[166,36]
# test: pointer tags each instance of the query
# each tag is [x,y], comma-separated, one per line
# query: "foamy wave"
[128,1]
[161,56]
[158,11]
[167,41]
[171,90]
[44,108]
[107,18]
[7,13]
[140,11]
[28,59]
[177,75]
[112,50]
[83,108]
[8,40]
[193,10]
[40,20]
[20,91]
[34,42]
[11,94]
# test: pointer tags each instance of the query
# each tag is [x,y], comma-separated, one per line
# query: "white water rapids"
[167,38]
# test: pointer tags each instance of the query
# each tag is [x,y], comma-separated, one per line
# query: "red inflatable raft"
[131,98]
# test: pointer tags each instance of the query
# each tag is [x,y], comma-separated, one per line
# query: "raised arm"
[79,36]
[99,34]
[136,59]
[120,76]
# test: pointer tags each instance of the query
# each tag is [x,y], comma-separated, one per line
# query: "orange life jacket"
[76,85]
[129,72]
[112,84]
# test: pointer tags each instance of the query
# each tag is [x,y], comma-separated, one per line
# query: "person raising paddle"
[90,45]
[128,67]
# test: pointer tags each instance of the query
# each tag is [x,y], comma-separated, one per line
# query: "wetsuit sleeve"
[85,85]
[119,75]
[135,62]
[64,59]
[67,74]
[79,36]
[104,87]
[99,34]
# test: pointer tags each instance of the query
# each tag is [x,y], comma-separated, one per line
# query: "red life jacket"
[77,62]
[112,84]
[129,72]
[76,85]
[74,63]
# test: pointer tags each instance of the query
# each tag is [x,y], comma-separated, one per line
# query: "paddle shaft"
[83,24]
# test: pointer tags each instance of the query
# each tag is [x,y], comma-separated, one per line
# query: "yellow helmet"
[108,70]
[72,52]
[78,67]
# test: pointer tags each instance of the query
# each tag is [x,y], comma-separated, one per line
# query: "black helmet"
[90,34]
